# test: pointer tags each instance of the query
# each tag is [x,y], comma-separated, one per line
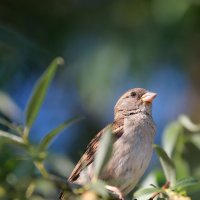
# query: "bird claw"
[116,191]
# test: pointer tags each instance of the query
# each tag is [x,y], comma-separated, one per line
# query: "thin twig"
[165,186]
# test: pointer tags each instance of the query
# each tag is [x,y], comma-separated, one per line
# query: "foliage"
[27,155]
[23,173]
[178,168]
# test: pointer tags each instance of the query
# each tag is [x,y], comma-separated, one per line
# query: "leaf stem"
[40,166]
[165,186]
[12,137]
[26,134]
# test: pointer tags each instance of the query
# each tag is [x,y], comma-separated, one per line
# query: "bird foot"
[116,191]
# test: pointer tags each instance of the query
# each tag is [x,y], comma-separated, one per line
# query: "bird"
[133,129]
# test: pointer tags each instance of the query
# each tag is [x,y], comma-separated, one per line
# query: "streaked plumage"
[134,131]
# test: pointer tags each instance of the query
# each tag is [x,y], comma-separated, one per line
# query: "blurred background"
[108,48]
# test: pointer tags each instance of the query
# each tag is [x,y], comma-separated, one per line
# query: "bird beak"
[148,97]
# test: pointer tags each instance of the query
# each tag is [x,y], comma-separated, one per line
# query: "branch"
[70,189]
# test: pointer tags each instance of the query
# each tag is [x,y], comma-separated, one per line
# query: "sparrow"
[133,129]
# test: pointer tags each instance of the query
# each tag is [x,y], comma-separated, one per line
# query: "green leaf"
[39,93]
[195,139]
[12,138]
[170,136]
[99,187]
[147,191]
[11,126]
[6,123]
[2,192]
[167,164]
[49,137]
[186,182]
[9,108]
[188,124]
[104,152]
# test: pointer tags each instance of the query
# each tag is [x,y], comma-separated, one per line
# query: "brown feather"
[88,156]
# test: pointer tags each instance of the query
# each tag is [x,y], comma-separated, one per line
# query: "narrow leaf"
[12,138]
[9,108]
[6,123]
[147,191]
[170,136]
[99,188]
[10,126]
[46,141]
[186,182]
[39,92]
[104,152]
[167,164]
[188,124]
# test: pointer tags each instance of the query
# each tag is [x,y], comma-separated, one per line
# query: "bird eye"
[133,94]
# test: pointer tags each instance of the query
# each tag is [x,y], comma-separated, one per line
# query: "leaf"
[39,92]
[50,136]
[12,138]
[147,191]
[6,123]
[41,168]
[186,182]
[11,126]
[30,189]
[180,161]
[2,192]
[99,187]
[188,124]
[9,108]
[104,152]
[46,188]
[170,136]
[195,139]
[167,164]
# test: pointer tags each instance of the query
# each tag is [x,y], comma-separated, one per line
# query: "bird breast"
[131,153]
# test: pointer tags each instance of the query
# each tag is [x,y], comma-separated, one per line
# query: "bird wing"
[88,156]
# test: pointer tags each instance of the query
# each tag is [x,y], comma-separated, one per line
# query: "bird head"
[134,101]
